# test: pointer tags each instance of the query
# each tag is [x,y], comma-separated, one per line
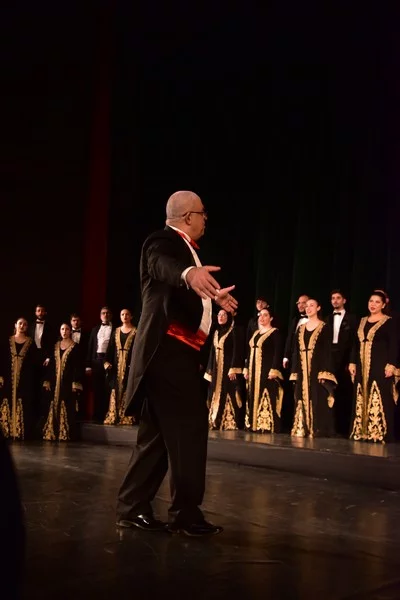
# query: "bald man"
[164,377]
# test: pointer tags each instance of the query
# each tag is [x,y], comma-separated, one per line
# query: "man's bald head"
[181,203]
[185,211]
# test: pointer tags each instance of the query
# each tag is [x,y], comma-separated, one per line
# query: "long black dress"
[375,394]
[118,355]
[17,393]
[312,360]
[226,357]
[62,387]
[264,395]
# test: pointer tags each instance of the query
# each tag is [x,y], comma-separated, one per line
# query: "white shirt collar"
[185,235]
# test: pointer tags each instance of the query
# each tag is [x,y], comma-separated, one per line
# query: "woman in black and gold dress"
[16,383]
[373,370]
[224,366]
[312,372]
[264,392]
[62,386]
[117,362]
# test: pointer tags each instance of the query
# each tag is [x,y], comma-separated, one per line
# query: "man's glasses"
[196,212]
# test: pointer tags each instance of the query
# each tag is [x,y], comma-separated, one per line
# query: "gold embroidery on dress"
[279,401]
[304,419]
[111,416]
[247,418]
[256,360]
[377,427]
[48,429]
[117,406]
[57,405]
[239,401]
[265,416]
[64,427]
[219,345]
[17,418]
[362,402]
[327,375]
[357,432]
[298,429]
[228,418]
[5,418]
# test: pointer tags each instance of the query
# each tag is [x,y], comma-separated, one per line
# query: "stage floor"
[332,458]
[286,536]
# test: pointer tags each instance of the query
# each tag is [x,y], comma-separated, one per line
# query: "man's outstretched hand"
[224,299]
[203,283]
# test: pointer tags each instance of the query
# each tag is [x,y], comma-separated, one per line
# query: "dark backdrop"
[284,119]
[47,67]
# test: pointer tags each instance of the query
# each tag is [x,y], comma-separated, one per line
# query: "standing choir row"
[42,384]
[343,375]
[336,368]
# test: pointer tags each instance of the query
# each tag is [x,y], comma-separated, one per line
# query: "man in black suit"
[44,337]
[343,325]
[164,378]
[294,325]
[288,399]
[81,337]
[97,347]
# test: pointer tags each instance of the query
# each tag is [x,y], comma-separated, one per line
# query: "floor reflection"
[286,536]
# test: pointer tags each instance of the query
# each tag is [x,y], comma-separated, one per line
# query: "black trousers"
[173,431]
[100,390]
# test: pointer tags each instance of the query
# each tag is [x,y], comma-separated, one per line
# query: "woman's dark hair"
[338,291]
[382,295]
[67,324]
[16,321]
[315,300]
[269,310]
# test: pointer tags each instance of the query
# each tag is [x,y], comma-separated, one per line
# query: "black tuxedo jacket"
[92,344]
[48,338]
[347,332]
[165,300]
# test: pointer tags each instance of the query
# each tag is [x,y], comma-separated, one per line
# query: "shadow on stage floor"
[286,536]
[332,458]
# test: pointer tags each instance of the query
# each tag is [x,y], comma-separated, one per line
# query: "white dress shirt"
[76,336]
[38,334]
[301,321]
[205,324]
[103,338]
[337,321]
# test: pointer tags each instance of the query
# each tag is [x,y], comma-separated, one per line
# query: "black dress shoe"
[195,529]
[145,522]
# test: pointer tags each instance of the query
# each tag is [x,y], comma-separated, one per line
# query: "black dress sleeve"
[295,358]
[325,355]
[355,349]
[276,368]
[211,363]
[238,350]
[391,333]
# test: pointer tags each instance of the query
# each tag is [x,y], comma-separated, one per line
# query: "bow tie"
[76,331]
[39,321]
[105,324]
[337,313]
[303,316]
